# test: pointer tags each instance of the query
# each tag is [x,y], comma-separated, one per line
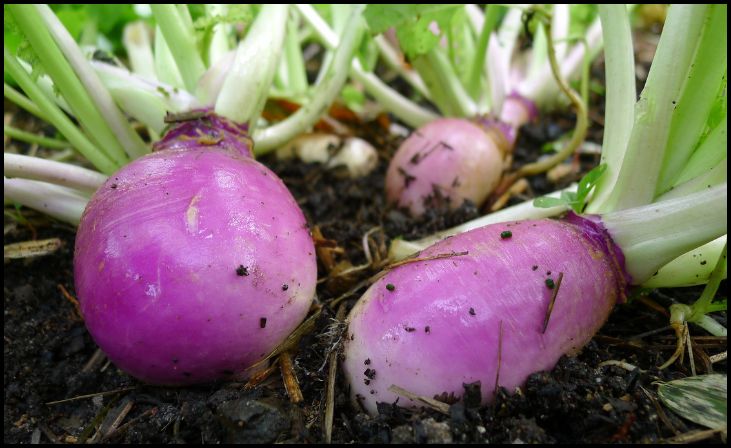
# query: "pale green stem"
[165,67]
[323,94]
[509,32]
[701,306]
[708,154]
[338,17]
[211,83]
[57,117]
[145,100]
[46,85]
[408,111]
[692,268]
[29,137]
[296,73]
[711,325]
[180,39]
[391,100]
[395,60]
[136,40]
[643,158]
[651,236]
[125,135]
[543,89]
[22,101]
[620,99]
[64,174]
[62,203]
[220,42]
[475,80]
[35,29]
[247,85]
[444,84]
[693,106]
[560,17]
[709,178]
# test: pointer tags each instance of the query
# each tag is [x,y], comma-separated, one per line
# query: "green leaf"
[700,399]
[111,18]
[581,18]
[353,98]
[382,17]
[718,305]
[577,200]
[236,14]
[547,202]
[586,184]
[412,24]
[74,20]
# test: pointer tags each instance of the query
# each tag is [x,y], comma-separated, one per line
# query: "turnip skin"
[453,156]
[159,261]
[438,325]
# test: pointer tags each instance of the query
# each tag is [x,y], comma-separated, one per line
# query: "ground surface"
[49,355]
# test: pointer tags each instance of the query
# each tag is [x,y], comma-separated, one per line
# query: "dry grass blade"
[426,401]
[417,259]
[97,358]
[72,299]
[290,378]
[695,436]
[112,420]
[27,249]
[552,302]
[330,392]
[291,341]
[259,377]
[625,365]
[127,425]
[98,394]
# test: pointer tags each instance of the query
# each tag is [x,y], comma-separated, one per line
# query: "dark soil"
[49,355]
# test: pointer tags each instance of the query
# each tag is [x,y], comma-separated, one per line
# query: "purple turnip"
[500,302]
[195,261]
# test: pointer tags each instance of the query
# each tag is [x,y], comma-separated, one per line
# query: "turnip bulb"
[195,261]
[481,311]
[449,158]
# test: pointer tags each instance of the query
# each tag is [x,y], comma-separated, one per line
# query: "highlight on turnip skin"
[195,261]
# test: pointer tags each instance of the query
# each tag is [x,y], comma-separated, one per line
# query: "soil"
[59,389]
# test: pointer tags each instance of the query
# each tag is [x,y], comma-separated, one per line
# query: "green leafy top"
[412,24]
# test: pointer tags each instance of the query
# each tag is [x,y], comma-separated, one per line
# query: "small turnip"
[450,157]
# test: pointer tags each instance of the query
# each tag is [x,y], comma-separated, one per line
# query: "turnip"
[417,170]
[500,302]
[193,262]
